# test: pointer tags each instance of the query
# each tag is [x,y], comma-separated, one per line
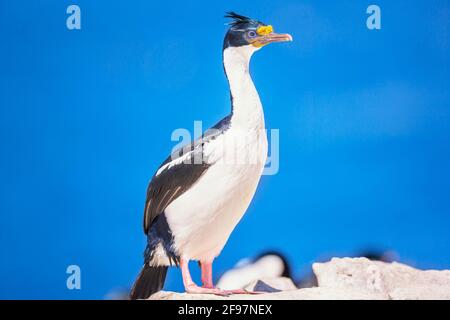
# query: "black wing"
[178,174]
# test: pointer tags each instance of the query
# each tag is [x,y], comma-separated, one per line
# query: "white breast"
[203,218]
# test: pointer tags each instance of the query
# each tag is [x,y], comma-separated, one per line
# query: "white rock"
[386,280]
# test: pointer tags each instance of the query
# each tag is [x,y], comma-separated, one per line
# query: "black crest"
[239,19]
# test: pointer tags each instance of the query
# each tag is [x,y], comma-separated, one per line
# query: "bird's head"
[245,31]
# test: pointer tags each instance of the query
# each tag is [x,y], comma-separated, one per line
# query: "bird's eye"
[251,34]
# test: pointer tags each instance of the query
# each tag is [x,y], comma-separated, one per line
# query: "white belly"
[203,218]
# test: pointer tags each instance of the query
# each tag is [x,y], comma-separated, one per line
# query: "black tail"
[150,280]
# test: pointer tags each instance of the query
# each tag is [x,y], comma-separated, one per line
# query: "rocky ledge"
[346,279]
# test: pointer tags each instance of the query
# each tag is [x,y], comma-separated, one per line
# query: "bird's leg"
[207,281]
[191,287]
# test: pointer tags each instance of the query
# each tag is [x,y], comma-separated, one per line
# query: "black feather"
[149,281]
[238,19]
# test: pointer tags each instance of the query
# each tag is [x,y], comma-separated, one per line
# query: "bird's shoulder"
[188,153]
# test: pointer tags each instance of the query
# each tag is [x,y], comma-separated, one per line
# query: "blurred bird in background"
[267,265]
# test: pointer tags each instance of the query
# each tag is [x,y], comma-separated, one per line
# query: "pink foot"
[208,286]
[194,289]
[241,291]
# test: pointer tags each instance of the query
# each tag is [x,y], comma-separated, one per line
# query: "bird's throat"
[247,110]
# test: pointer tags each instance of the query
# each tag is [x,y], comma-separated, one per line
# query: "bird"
[201,191]
[267,265]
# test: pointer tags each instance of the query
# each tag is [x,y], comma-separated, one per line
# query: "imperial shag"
[199,194]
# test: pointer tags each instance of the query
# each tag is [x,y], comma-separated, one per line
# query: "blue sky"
[86,118]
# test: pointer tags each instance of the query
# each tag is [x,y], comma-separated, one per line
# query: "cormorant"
[199,194]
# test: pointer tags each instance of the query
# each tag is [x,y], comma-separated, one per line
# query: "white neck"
[247,108]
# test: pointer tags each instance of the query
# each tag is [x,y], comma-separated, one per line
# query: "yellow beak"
[271,38]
